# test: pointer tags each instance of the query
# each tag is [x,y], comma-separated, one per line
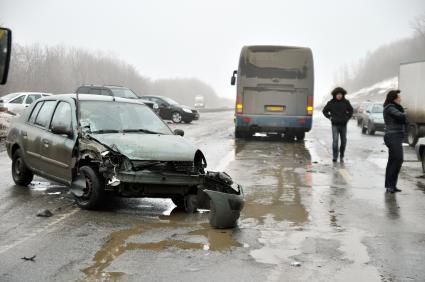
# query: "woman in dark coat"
[395,123]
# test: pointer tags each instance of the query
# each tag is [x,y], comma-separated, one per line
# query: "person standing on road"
[395,123]
[339,111]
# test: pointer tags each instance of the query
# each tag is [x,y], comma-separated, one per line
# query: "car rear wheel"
[423,161]
[94,191]
[300,136]
[242,134]
[176,117]
[370,130]
[21,174]
[412,137]
[364,129]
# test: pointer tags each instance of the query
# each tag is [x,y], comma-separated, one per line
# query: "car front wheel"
[21,174]
[94,191]
[176,117]
[423,161]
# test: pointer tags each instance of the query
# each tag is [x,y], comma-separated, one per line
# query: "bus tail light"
[310,105]
[239,105]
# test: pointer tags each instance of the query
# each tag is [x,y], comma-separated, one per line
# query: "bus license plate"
[275,108]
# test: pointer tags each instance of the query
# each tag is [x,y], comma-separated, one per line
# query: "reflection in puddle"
[167,234]
[275,188]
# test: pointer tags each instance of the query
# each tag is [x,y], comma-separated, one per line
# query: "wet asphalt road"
[334,220]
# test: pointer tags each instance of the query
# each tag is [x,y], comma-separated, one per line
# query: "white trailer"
[411,82]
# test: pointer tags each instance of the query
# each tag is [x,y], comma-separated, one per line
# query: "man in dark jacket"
[339,111]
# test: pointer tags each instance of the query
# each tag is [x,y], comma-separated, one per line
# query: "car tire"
[412,137]
[21,174]
[364,129]
[300,136]
[423,161]
[242,134]
[288,137]
[94,193]
[370,130]
[176,117]
[178,201]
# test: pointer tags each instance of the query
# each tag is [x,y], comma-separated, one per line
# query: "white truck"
[411,82]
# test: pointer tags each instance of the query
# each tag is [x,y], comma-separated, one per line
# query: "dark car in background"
[373,119]
[420,151]
[115,91]
[171,110]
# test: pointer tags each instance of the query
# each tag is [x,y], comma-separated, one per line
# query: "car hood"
[154,147]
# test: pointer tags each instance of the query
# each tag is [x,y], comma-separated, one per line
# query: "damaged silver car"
[99,145]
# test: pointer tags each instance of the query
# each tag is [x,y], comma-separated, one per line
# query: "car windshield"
[170,101]
[377,109]
[124,93]
[9,97]
[110,117]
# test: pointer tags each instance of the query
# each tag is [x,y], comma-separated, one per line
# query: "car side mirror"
[62,130]
[5,51]
[233,79]
[179,132]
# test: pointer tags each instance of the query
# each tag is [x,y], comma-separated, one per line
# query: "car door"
[57,149]
[17,105]
[164,108]
[37,134]
[31,138]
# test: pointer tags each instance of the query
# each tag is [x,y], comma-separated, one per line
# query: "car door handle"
[46,142]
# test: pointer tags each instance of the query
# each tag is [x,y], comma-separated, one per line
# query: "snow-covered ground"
[374,93]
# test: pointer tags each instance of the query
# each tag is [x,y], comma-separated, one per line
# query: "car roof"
[104,86]
[91,97]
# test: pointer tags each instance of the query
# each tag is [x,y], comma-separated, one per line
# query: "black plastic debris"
[29,259]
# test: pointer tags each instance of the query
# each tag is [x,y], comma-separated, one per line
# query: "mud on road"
[304,219]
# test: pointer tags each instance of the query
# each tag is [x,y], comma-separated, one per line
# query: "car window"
[105,92]
[95,91]
[31,98]
[35,112]
[45,114]
[62,116]
[18,100]
[83,89]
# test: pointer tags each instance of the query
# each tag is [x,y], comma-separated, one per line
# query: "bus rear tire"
[300,136]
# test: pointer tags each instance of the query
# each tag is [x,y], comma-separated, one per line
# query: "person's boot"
[397,190]
[390,190]
[341,160]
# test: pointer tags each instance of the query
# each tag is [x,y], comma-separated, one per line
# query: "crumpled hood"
[154,147]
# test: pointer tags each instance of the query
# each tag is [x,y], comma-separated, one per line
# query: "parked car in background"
[15,103]
[420,151]
[411,81]
[373,119]
[361,112]
[115,91]
[199,102]
[355,106]
[171,110]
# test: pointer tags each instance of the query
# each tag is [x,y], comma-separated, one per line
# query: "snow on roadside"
[374,93]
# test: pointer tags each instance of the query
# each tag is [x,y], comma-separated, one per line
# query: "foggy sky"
[188,38]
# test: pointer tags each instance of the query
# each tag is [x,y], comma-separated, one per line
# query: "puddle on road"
[183,236]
